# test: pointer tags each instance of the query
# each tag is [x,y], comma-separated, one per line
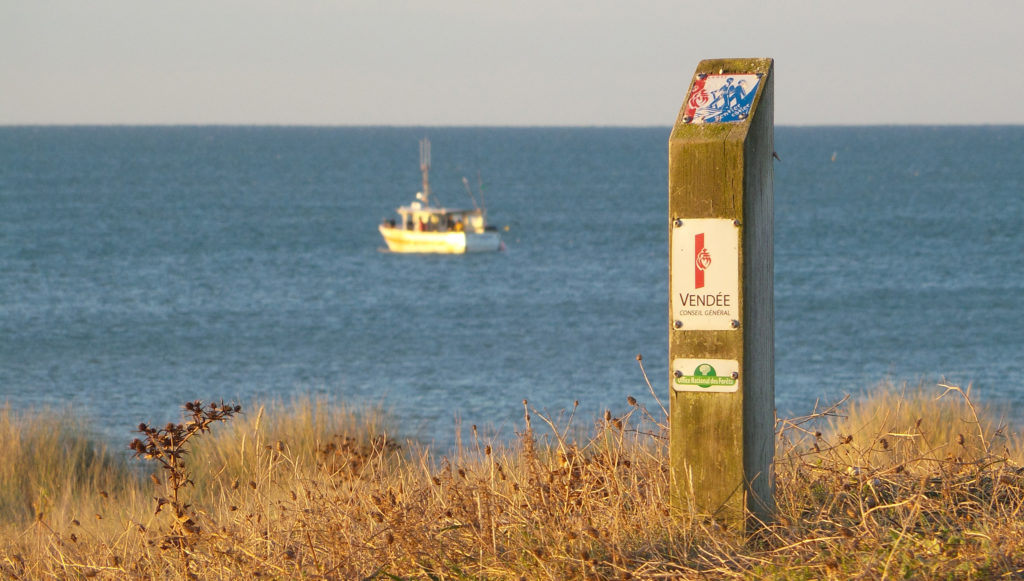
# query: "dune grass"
[901,482]
[50,463]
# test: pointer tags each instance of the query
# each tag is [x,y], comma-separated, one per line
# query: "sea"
[144,267]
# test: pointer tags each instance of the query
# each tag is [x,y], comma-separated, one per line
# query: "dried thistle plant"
[167,447]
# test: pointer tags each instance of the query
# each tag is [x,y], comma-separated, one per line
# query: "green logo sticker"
[704,376]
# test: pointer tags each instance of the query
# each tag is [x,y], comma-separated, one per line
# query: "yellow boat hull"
[413,241]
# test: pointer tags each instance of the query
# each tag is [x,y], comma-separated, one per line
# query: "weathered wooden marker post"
[721,337]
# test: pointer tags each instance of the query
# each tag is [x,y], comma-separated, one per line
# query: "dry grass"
[51,465]
[902,483]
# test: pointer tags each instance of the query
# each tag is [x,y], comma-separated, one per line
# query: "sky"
[500,63]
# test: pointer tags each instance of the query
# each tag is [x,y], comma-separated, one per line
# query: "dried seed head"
[631,401]
[960,439]
[884,443]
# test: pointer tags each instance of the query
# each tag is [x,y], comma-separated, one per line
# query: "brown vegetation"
[903,483]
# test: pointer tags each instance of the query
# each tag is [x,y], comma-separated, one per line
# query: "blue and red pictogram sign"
[721,98]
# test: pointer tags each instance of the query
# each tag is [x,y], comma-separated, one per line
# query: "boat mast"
[425,168]
[469,191]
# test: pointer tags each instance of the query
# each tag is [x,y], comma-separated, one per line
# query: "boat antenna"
[465,182]
[425,168]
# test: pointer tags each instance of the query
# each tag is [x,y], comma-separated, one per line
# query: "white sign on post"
[705,274]
[709,375]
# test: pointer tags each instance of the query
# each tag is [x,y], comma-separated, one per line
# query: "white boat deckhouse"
[423,228]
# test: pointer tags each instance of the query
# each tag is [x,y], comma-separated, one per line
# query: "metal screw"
[735,324]
[678,324]
[736,223]
[702,76]
[687,119]
[678,373]
[678,223]
[735,374]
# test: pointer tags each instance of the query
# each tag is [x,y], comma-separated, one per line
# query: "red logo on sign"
[701,260]
[698,97]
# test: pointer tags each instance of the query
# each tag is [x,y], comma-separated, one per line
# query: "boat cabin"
[418,217]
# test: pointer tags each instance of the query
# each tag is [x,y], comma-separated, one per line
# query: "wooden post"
[721,320]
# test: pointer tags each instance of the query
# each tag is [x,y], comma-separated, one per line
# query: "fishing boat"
[425,228]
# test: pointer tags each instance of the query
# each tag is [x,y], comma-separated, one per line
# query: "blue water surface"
[142,267]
